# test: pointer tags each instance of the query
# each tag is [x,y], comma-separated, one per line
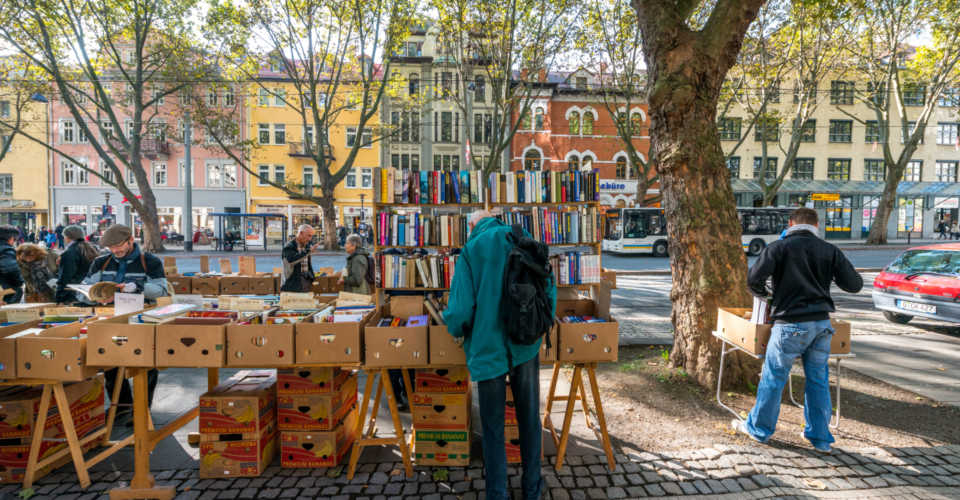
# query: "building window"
[229,96]
[636,124]
[279,134]
[477,128]
[838,170]
[413,82]
[574,122]
[874,170]
[733,165]
[279,98]
[480,89]
[404,162]
[802,169]
[366,178]
[622,168]
[263,134]
[352,178]
[308,179]
[877,97]
[69,176]
[351,136]
[841,131]
[159,174]
[106,172]
[446,126]
[264,97]
[5,141]
[772,126]
[912,126]
[538,119]
[229,175]
[841,92]
[771,170]
[68,132]
[870,206]
[456,127]
[279,175]
[215,174]
[947,133]
[212,96]
[532,160]
[587,123]
[809,132]
[263,179]
[5,109]
[946,171]
[949,98]
[581,83]
[913,171]
[873,132]
[729,128]
[914,94]
[6,185]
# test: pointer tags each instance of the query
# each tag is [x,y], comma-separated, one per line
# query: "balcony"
[150,149]
[308,150]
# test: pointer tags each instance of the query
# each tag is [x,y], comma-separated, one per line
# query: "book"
[168,311]
[418,320]
[385,322]
[434,312]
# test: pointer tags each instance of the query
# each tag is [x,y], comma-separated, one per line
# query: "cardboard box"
[234,285]
[445,349]
[448,380]
[449,412]
[116,342]
[402,346]
[512,443]
[8,348]
[239,458]
[260,345]
[319,448]
[292,381]
[18,313]
[20,407]
[548,355]
[181,284]
[510,409]
[320,343]
[321,285]
[58,353]
[191,346]
[13,459]
[263,285]
[245,403]
[447,448]
[610,277]
[754,338]
[205,285]
[586,341]
[318,412]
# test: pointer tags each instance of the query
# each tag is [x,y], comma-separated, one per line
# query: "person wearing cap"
[137,272]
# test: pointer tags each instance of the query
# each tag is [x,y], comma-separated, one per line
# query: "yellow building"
[24,173]
[283,156]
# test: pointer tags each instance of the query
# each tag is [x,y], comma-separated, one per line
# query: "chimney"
[603,68]
[523,74]
[542,75]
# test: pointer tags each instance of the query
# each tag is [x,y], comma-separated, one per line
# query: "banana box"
[19,407]
[265,429]
[448,448]
[512,443]
[13,459]
[447,380]
[245,403]
[318,448]
[442,411]
[317,412]
[239,458]
[292,381]
[510,412]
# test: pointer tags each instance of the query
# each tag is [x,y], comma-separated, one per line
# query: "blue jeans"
[811,341]
[493,399]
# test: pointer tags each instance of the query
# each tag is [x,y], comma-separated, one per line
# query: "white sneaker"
[826,451]
[737,426]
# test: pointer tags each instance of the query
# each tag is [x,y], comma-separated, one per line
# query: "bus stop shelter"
[252,231]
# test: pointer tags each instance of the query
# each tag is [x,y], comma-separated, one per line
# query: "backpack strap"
[143,262]
[106,263]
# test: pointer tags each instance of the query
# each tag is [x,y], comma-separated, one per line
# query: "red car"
[923,281]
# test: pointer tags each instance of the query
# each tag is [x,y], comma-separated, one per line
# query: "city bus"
[644,230]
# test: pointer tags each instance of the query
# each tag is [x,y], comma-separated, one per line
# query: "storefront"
[350,216]
[297,215]
[945,210]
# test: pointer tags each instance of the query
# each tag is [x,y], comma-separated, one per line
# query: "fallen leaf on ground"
[676,420]
[743,414]
[728,431]
[942,369]
[334,472]
[396,472]
[918,398]
[814,483]
[441,475]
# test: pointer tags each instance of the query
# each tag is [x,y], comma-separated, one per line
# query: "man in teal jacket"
[474,312]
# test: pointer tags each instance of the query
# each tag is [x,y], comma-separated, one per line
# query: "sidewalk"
[892,243]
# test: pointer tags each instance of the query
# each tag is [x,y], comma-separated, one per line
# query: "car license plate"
[913,306]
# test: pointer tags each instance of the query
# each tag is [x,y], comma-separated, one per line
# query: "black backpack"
[525,310]
[371,275]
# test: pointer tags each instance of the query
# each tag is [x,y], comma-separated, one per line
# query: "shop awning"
[852,187]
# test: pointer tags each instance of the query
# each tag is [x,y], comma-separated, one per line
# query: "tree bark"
[878,229]
[330,240]
[686,70]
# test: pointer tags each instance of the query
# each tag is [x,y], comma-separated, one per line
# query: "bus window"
[655,224]
[784,221]
[614,227]
[749,224]
[633,224]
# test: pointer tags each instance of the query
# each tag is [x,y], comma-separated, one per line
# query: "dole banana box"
[449,448]
[245,403]
[441,411]
[317,412]
[318,448]
[19,407]
[512,443]
[292,381]
[240,458]
[13,459]
[448,380]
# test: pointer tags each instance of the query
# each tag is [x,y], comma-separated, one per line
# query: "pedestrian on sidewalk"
[955,231]
[59,232]
[942,227]
[38,267]
[802,266]
[473,312]
[297,267]
[10,276]
[75,264]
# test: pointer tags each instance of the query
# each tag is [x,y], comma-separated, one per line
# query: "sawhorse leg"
[366,437]
[601,420]
[578,391]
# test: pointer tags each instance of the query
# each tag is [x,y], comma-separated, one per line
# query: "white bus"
[644,230]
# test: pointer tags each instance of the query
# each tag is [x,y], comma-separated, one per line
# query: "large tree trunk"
[330,240]
[706,257]
[878,230]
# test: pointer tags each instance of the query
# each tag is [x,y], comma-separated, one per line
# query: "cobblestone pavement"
[721,472]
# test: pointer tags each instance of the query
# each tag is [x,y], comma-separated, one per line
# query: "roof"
[854,187]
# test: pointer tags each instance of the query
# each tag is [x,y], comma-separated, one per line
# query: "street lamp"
[105,209]
[362,218]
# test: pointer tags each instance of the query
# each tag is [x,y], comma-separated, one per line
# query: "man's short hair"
[478,216]
[8,231]
[355,240]
[805,215]
[304,228]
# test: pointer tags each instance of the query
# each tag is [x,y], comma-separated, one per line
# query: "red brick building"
[569,127]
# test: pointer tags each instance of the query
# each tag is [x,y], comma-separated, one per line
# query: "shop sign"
[946,202]
[825,197]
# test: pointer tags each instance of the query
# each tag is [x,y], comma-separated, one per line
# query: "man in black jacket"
[802,267]
[297,268]
[60,236]
[10,277]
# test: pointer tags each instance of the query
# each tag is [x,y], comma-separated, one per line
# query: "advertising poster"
[254,232]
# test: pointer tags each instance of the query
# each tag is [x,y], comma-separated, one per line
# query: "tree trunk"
[878,230]
[706,257]
[330,240]
[147,210]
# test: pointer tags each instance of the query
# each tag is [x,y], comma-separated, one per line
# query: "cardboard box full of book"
[586,341]
[318,412]
[59,353]
[454,379]
[130,339]
[19,313]
[8,347]
[311,449]
[438,411]
[549,346]
[303,380]
[234,456]
[245,403]
[754,337]
[255,342]
[197,339]
[446,448]
[234,285]
[205,285]
[445,349]
[397,346]
[181,284]
[320,343]
[20,406]
[263,284]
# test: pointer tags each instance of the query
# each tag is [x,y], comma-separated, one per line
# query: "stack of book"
[289,316]
[581,319]
[398,271]
[554,227]
[575,268]
[428,188]
[343,314]
[417,230]
[165,314]
[550,186]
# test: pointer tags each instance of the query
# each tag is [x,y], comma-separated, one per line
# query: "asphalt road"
[642,262]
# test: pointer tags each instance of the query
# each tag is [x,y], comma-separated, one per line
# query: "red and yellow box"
[449,380]
[292,381]
[20,406]
[442,411]
[512,443]
[510,412]
[245,403]
[317,412]
[13,459]
[240,458]
[318,448]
